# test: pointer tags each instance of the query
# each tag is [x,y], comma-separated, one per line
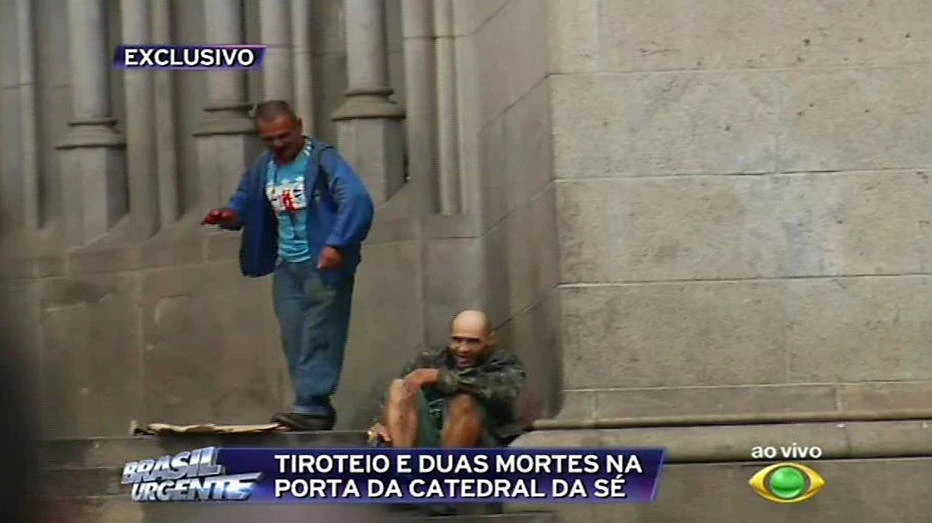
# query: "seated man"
[463,395]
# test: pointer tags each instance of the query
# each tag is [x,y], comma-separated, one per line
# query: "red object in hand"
[220,217]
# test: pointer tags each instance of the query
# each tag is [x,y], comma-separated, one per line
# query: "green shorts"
[430,417]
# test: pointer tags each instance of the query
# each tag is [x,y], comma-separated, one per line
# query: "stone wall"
[167,329]
[508,163]
[742,206]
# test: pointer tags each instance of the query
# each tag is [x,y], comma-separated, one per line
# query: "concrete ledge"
[703,444]
[749,404]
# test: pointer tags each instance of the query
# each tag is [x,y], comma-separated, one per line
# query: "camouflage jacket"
[496,381]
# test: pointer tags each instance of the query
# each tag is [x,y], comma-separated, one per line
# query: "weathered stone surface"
[713,227]
[19,309]
[152,254]
[511,62]
[743,227]
[39,266]
[454,280]
[879,324]
[696,401]
[469,125]
[470,16]
[223,246]
[723,443]
[91,361]
[856,119]
[670,123]
[532,335]
[497,274]
[329,35]
[494,175]
[54,110]
[222,160]
[95,181]
[517,159]
[211,346]
[675,334]
[730,34]
[386,328]
[381,171]
[11,160]
[329,72]
[764,332]
[9,67]
[856,491]
[532,258]
[888,395]
[573,44]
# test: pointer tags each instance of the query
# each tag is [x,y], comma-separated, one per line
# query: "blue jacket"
[339,211]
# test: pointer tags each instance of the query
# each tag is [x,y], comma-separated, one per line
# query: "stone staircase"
[81,484]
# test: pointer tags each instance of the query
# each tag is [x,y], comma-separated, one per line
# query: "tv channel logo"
[787,483]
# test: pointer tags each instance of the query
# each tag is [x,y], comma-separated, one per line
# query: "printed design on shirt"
[287,196]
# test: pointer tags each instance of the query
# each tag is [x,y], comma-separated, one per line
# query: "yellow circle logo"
[787,483]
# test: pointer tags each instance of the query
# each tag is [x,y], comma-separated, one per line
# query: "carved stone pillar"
[92,152]
[140,116]
[369,124]
[226,136]
[275,33]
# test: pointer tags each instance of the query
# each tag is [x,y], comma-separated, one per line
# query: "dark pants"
[314,319]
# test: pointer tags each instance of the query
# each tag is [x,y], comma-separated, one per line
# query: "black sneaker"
[304,422]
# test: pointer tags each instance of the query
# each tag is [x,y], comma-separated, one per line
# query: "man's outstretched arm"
[233,215]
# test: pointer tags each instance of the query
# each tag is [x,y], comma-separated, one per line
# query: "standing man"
[304,213]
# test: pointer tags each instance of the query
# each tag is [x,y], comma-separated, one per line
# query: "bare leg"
[462,427]
[401,415]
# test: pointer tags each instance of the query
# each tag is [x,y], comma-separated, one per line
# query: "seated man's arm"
[424,360]
[496,385]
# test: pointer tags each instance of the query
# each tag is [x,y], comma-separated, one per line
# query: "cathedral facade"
[702,224]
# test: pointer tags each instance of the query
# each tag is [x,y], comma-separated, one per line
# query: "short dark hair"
[272,109]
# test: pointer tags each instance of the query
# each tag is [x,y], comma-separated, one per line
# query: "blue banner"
[190,57]
[385,475]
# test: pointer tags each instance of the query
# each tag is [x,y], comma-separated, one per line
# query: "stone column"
[140,136]
[301,54]
[369,125]
[31,204]
[275,32]
[448,164]
[226,137]
[92,153]
[165,128]
[420,124]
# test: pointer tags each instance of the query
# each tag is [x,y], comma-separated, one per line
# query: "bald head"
[473,320]
[470,337]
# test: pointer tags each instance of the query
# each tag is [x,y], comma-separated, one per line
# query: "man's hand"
[381,431]
[420,377]
[330,258]
[226,217]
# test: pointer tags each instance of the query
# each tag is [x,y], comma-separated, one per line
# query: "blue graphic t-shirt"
[285,191]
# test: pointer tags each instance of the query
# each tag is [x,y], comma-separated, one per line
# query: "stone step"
[115,452]
[120,509]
